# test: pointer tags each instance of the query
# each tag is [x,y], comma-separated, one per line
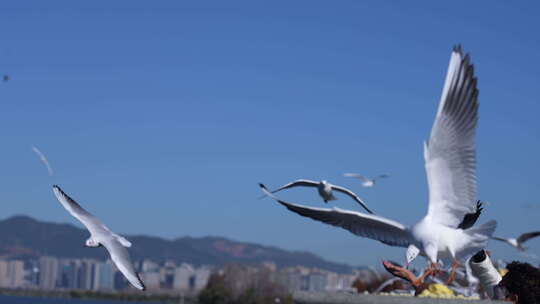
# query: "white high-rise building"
[48,272]
[149,266]
[151,279]
[103,276]
[86,271]
[202,275]
[11,274]
[184,277]
[3,273]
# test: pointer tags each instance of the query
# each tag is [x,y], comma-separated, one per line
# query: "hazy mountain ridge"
[24,237]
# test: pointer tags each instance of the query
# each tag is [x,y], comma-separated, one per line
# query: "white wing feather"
[120,257]
[92,223]
[450,154]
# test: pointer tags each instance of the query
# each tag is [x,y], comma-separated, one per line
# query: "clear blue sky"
[161,117]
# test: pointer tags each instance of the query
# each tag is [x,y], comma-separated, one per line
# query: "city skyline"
[52,273]
[172,113]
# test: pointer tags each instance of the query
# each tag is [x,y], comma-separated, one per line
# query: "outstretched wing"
[499,239]
[298,183]
[353,195]
[450,153]
[527,236]
[365,225]
[92,223]
[120,257]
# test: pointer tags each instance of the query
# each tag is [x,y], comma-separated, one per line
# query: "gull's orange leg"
[429,270]
[452,275]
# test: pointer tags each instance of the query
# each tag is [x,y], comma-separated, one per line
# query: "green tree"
[216,291]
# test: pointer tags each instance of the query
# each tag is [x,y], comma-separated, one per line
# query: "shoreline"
[100,295]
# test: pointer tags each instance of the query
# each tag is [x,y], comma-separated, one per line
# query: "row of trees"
[240,284]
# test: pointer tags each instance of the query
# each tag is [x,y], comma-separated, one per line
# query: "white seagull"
[450,162]
[518,242]
[365,181]
[43,160]
[100,235]
[325,190]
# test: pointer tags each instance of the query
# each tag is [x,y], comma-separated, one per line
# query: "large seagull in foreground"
[450,162]
[100,235]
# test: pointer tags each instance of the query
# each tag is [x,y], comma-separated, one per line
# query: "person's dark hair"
[523,280]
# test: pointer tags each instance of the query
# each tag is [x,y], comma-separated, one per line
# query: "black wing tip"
[465,58]
[479,206]
[141,282]
[457,49]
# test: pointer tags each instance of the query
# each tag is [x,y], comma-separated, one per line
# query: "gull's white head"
[411,254]
[324,182]
[90,242]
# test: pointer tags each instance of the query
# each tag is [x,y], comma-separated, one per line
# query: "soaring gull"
[450,162]
[325,190]
[43,160]
[365,181]
[100,235]
[518,242]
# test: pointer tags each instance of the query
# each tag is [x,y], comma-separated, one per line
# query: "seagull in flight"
[325,190]
[43,159]
[365,181]
[100,235]
[450,163]
[518,242]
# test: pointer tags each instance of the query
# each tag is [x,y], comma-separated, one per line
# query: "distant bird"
[100,235]
[43,160]
[325,190]
[518,242]
[366,182]
[450,162]
[5,78]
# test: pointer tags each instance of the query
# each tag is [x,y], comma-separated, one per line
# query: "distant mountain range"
[23,237]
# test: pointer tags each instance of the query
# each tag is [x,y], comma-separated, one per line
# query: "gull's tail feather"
[477,238]
[486,230]
[122,240]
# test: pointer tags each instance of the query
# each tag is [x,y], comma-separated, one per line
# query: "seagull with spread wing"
[100,235]
[450,163]
[365,181]
[325,190]
[518,242]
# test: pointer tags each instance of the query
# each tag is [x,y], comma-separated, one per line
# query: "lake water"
[37,300]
